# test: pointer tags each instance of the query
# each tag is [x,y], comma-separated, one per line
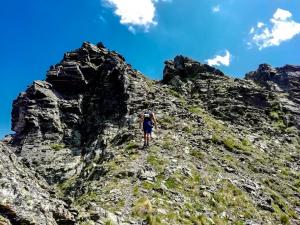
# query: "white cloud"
[216,9]
[135,13]
[281,28]
[220,60]
[132,29]
[260,25]
[281,14]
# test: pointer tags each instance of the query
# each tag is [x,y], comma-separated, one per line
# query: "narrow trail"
[136,166]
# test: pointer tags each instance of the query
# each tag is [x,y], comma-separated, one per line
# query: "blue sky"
[234,35]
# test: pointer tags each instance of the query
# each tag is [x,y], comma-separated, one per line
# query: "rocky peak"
[186,68]
[284,78]
[82,66]
[88,93]
[285,81]
[89,83]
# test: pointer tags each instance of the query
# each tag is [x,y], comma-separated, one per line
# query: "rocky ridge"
[226,152]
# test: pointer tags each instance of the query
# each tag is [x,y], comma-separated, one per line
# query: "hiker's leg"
[145,138]
[148,138]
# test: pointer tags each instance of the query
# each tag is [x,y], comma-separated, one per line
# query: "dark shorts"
[147,128]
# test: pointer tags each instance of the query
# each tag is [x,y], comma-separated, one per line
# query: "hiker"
[148,119]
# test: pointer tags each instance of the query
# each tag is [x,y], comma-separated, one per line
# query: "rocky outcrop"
[185,68]
[25,198]
[286,82]
[57,120]
[239,101]
[80,93]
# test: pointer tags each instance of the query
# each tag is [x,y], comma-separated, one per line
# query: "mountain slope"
[226,151]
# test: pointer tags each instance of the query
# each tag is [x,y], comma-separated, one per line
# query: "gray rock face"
[285,81]
[79,94]
[239,101]
[185,68]
[57,120]
[25,198]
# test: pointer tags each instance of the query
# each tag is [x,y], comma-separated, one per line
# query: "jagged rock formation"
[226,152]
[238,101]
[25,198]
[286,82]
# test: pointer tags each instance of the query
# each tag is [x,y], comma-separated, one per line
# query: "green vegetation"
[172,182]
[230,143]
[235,145]
[167,122]
[188,129]
[157,162]
[197,154]
[86,223]
[279,125]
[297,183]
[136,190]
[230,197]
[65,185]
[284,219]
[216,139]
[88,197]
[175,93]
[213,124]
[280,206]
[142,207]
[167,143]
[131,145]
[57,146]
[274,115]
[153,220]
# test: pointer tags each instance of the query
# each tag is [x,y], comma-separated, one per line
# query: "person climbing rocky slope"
[226,151]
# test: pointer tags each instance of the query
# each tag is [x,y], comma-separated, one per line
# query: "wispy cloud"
[132,29]
[136,13]
[219,60]
[216,8]
[281,28]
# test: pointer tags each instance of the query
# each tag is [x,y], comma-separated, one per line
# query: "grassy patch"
[274,115]
[232,143]
[88,197]
[175,93]
[131,145]
[279,125]
[197,154]
[284,219]
[217,139]
[188,129]
[167,122]
[167,143]
[230,197]
[109,222]
[153,220]
[172,183]
[142,207]
[280,207]
[65,185]
[136,190]
[57,146]
[156,162]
